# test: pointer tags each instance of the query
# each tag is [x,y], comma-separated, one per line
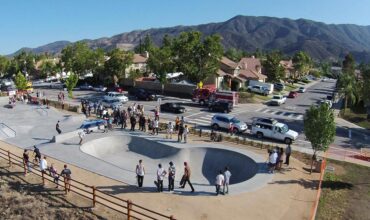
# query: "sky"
[33,23]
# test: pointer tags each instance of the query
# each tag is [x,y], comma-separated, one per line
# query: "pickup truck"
[277,100]
[258,89]
[278,131]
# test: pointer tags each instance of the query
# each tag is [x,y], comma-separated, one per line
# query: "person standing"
[26,162]
[186,177]
[81,134]
[171,176]
[37,154]
[186,132]
[272,161]
[156,126]
[288,151]
[54,173]
[220,179]
[161,173]
[169,130]
[58,128]
[177,123]
[43,165]
[133,122]
[227,175]
[180,133]
[66,173]
[140,172]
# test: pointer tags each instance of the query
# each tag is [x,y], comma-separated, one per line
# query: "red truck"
[205,95]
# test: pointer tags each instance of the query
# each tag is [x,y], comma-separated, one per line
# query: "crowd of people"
[275,157]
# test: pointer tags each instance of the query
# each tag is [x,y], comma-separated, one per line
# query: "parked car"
[57,85]
[302,89]
[85,86]
[116,95]
[112,103]
[115,89]
[220,106]
[258,89]
[223,121]
[292,94]
[328,102]
[277,100]
[172,107]
[279,86]
[142,94]
[278,131]
[100,88]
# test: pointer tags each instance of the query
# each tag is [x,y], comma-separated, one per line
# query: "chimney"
[146,54]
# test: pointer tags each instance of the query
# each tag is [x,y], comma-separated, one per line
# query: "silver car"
[224,120]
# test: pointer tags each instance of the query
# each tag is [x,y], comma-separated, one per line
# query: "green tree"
[348,87]
[235,55]
[302,63]
[319,128]
[20,81]
[4,65]
[349,64]
[273,69]
[24,62]
[145,45]
[78,58]
[71,83]
[47,68]
[366,89]
[115,67]
[196,58]
[325,69]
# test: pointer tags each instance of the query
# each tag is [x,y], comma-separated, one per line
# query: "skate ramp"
[125,151]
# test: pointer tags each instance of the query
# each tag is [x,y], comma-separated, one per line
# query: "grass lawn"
[345,192]
[356,116]
[290,87]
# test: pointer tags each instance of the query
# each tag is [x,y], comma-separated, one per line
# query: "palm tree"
[348,87]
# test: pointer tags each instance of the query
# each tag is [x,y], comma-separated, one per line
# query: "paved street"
[291,112]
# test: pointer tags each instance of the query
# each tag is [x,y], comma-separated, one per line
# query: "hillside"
[320,40]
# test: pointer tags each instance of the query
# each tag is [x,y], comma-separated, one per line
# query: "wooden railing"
[126,207]
[318,194]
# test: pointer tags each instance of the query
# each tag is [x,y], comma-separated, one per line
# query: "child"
[169,130]
[186,132]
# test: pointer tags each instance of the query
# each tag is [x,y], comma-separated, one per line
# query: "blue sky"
[32,23]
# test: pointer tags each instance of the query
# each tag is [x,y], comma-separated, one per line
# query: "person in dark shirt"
[66,173]
[57,128]
[26,162]
[37,154]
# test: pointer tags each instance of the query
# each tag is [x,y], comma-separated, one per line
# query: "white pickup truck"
[258,89]
[278,131]
[277,100]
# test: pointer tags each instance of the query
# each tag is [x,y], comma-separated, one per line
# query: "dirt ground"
[290,195]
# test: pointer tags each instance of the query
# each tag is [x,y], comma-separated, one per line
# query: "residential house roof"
[229,63]
[251,68]
[287,64]
[138,58]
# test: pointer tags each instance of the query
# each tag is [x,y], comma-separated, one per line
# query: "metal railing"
[125,207]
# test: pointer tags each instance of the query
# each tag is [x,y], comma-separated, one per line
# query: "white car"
[100,88]
[302,89]
[116,95]
[224,120]
[328,102]
[113,103]
[277,100]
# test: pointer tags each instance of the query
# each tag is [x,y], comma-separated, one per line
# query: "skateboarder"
[57,128]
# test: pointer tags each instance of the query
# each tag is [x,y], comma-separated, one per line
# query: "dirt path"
[289,195]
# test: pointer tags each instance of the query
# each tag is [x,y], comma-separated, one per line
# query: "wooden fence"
[126,207]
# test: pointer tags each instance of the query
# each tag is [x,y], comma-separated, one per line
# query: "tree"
[47,68]
[319,128]
[196,58]
[235,55]
[302,63]
[116,66]
[366,89]
[349,88]
[273,69]
[325,69]
[71,83]
[4,65]
[20,81]
[78,58]
[349,64]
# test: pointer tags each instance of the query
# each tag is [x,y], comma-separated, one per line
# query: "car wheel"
[201,102]
[259,135]
[235,131]
[215,127]
[287,141]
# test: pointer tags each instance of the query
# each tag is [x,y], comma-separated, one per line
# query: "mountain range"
[321,41]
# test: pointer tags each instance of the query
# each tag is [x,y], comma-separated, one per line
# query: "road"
[291,113]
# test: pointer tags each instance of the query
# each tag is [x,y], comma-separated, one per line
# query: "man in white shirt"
[220,179]
[140,172]
[43,164]
[161,173]
[272,161]
[186,132]
[227,175]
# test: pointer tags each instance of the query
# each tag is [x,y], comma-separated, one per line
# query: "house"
[288,68]
[251,69]
[139,63]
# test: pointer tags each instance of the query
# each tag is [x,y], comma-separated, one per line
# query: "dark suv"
[220,106]
[142,94]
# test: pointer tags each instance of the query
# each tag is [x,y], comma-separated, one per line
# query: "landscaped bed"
[345,192]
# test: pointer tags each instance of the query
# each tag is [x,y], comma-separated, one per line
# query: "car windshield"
[235,120]
[175,105]
[276,97]
[284,129]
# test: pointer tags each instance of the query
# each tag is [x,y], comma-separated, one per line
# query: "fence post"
[172,218]
[65,186]
[129,207]
[43,178]
[9,158]
[94,196]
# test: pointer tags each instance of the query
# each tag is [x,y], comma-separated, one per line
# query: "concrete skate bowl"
[124,152]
